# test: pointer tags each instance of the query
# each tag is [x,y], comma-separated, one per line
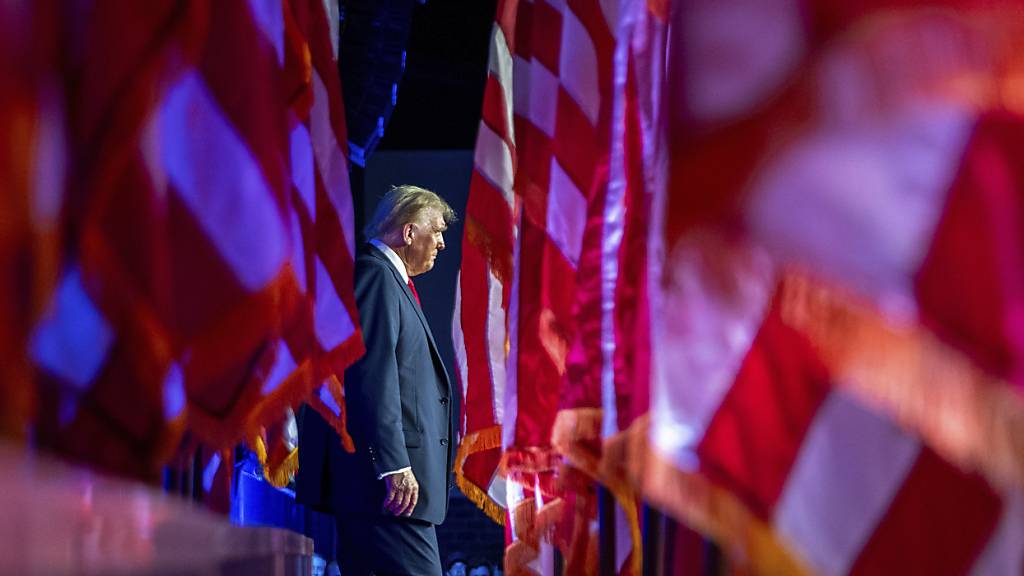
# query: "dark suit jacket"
[398,400]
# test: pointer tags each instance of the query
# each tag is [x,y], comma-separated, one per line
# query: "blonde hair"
[402,205]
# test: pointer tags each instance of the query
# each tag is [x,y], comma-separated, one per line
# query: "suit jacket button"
[444,441]
[444,401]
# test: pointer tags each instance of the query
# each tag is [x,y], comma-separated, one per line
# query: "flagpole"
[713,565]
[653,540]
[669,558]
[606,528]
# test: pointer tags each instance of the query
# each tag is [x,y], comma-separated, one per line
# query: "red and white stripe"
[841,487]
[326,337]
[540,151]
[193,257]
[563,73]
[836,140]
[483,291]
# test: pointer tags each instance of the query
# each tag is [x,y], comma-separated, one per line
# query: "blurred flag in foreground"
[205,239]
[836,361]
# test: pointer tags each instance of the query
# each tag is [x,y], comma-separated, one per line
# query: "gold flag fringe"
[526,546]
[518,556]
[531,527]
[279,464]
[481,499]
[547,517]
[747,541]
[479,441]
[968,416]
[277,471]
[280,474]
[576,434]
[526,461]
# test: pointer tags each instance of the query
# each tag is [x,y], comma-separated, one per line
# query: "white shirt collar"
[392,257]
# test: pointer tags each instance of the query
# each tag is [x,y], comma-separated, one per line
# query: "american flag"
[824,385]
[324,339]
[190,289]
[483,292]
[562,113]
[611,361]
[541,165]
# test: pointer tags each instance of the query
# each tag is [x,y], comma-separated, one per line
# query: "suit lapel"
[419,311]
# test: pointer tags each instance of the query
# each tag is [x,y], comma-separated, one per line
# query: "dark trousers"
[386,546]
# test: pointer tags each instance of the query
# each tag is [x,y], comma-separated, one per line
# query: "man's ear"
[407,234]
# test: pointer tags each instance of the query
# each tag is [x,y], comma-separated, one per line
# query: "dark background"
[441,92]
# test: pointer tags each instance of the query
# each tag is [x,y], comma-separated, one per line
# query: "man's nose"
[440,242]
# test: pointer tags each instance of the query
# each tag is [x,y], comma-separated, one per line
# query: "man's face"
[427,240]
[457,569]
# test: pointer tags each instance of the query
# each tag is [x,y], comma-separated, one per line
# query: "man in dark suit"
[390,494]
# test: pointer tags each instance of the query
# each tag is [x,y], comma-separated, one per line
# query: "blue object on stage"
[255,502]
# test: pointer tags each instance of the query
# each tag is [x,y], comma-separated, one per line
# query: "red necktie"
[414,293]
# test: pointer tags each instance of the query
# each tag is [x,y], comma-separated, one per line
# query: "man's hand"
[403,491]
